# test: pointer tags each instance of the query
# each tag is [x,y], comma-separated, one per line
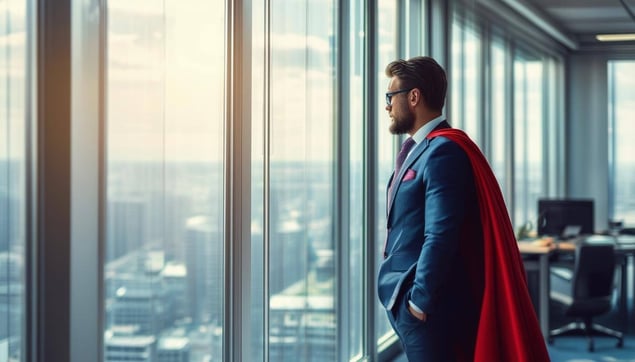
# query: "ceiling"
[583,19]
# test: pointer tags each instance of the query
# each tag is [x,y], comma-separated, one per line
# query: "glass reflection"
[14,79]
[498,109]
[466,78]
[165,221]
[528,141]
[621,114]
[386,142]
[301,265]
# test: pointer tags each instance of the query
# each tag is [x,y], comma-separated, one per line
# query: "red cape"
[508,327]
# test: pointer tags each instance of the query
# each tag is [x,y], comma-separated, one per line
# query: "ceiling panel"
[582,18]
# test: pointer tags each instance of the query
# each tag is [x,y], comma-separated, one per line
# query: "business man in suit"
[422,281]
[433,280]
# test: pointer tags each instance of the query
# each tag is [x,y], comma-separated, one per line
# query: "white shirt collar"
[423,132]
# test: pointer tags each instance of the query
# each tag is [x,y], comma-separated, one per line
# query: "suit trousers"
[427,341]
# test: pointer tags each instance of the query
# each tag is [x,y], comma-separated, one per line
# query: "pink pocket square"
[409,175]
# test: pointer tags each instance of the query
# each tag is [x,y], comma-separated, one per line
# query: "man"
[452,279]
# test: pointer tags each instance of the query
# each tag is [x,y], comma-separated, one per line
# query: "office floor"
[573,349]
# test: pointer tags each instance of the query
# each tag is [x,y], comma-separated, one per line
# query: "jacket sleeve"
[448,180]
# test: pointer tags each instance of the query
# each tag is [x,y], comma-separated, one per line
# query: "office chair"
[591,291]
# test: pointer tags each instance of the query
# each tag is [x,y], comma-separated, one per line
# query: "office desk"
[625,251]
[539,261]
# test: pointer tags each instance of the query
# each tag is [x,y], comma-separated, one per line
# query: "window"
[499,111]
[355,245]
[164,269]
[14,80]
[621,78]
[258,100]
[386,142]
[299,216]
[175,100]
[529,155]
[465,82]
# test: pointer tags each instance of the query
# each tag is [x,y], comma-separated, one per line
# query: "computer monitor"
[565,218]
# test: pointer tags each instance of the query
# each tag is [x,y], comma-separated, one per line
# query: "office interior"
[205,180]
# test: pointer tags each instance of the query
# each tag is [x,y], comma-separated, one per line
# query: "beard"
[403,123]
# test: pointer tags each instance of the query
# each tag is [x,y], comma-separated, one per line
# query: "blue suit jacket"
[433,204]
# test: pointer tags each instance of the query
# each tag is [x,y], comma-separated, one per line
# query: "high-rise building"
[302,323]
[168,213]
[127,226]
[9,221]
[204,263]
[138,296]
[11,298]
[175,281]
[123,344]
[173,349]
[290,245]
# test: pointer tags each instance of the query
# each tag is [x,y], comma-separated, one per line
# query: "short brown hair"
[423,73]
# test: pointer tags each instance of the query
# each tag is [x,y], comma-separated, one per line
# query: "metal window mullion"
[462,91]
[369,302]
[527,142]
[547,160]
[510,172]
[560,128]
[53,178]
[88,196]
[341,180]
[486,90]
[228,261]
[266,178]
[612,140]
[549,131]
[237,181]
[29,333]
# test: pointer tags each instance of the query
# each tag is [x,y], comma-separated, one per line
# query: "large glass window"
[465,82]
[302,282]
[257,225]
[386,142]
[355,144]
[529,154]
[621,78]
[165,217]
[499,125]
[167,118]
[14,79]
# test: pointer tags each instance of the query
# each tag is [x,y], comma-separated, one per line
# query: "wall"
[587,132]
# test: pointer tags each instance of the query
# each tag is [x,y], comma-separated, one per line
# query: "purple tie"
[406,146]
[401,157]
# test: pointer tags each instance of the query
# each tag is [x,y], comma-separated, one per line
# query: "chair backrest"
[594,269]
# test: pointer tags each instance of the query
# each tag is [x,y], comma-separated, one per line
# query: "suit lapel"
[396,179]
[418,150]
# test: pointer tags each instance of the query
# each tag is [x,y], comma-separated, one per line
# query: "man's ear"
[415,97]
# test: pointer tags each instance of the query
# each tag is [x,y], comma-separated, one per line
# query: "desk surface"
[538,246]
[528,247]
[542,246]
